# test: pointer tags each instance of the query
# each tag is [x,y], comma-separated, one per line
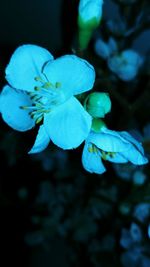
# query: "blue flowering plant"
[43,91]
[85,111]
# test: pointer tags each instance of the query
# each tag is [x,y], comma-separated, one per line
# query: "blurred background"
[53,212]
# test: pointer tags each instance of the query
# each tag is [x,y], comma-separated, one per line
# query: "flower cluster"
[43,90]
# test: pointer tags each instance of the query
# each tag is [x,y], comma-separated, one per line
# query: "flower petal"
[74,74]
[41,142]
[68,125]
[92,161]
[112,45]
[134,156]
[102,49]
[127,73]
[132,57]
[89,9]
[12,114]
[135,152]
[117,158]
[25,64]
[115,63]
[109,141]
[132,140]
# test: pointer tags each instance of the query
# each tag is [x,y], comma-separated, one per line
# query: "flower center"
[44,99]
[103,154]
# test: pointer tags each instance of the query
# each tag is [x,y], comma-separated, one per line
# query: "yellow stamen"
[112,154]
[57,84]
[104,155]
[47,85]
[39,120]
[47,110]
[38,105]
[36,88]
[38,79]
[90,149]
[24,107]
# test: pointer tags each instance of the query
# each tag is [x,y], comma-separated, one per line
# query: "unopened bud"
[89,17]
[98,104]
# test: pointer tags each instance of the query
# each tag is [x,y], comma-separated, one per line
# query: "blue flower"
[117,147]
[125,64]
[131,236]
[42,90]
[141,211]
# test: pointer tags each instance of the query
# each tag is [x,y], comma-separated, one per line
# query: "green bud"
[84,38]
[86,31]
[97,104]
[89,17]
[90,24]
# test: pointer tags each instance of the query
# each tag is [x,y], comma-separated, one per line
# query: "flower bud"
[97,104]
[89,17]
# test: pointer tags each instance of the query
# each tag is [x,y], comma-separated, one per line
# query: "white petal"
[134,156]
[25,64]
[135,152]
[89,9]
[92,161]
[132,140]
[74,74]
[10,102]
[109,141]
[68,125]
[41,142]
[117,158]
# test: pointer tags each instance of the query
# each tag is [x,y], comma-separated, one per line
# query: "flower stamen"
[43,99]
[105,154]
[92,149]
